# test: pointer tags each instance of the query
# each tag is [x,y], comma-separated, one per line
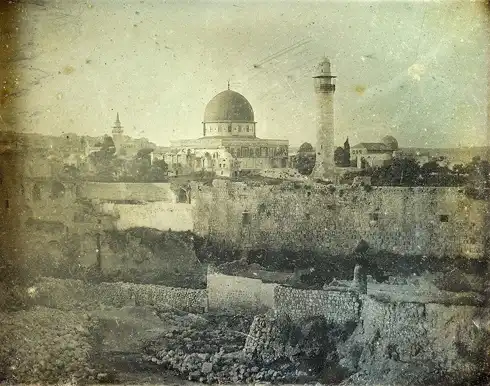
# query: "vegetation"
[407,172]
[305,159]
[105,165]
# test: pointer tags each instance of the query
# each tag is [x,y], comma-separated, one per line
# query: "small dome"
[229,106]
[390,141]
[306,147]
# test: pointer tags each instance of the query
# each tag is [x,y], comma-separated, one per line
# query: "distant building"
[229,145]
[374,154]
[127,147]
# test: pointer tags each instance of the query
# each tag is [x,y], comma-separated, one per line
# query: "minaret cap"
[117,128]
[324,68]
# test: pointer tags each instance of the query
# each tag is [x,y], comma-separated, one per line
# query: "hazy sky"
[417,71]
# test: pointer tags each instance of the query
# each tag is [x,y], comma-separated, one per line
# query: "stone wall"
[235,293]
[157,215]
[76,294]
[336,306]
[117,191]
[415,221]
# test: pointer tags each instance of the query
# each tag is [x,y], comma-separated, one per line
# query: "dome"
[229,106]
[390,141]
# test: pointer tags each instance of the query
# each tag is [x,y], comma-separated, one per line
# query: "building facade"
[374,154]
[229,145]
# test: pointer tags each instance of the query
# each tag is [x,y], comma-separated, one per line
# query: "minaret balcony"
[324,87]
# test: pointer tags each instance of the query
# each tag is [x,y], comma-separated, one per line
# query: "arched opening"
[57,189]
[36,193]
[183,196]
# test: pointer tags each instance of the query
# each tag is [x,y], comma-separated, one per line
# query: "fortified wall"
[427,221]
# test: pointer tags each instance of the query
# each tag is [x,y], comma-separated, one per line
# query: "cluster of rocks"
[212,351]
[46,345]
[222,368]
[267,338]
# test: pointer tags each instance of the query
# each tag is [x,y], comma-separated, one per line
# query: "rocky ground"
[404,343]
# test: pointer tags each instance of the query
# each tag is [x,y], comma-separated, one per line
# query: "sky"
[414,70]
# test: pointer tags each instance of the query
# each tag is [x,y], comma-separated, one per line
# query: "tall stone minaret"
[324,89]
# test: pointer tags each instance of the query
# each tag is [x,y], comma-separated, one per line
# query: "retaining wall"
[76,294]
[335,306]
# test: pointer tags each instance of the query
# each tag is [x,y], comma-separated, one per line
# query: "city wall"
[115,191]
[439,222]
[407,221]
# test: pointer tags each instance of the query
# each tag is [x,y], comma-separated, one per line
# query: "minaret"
[117,128]
[324,89]
[117,134]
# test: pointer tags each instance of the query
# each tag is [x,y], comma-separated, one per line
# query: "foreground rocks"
[273,350]
[417,344]
[46,345]
[210,350]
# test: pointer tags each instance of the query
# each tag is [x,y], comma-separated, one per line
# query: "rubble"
[46,345]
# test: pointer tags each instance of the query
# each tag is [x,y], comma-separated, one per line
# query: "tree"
[478,185]
[158,171]
[107,165]
[346,159]
[401,172]
[338,156]
[305,159]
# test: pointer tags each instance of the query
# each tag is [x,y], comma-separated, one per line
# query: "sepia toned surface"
[244,192]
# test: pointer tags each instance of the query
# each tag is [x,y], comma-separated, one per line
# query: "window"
[229,128]
[36,193]
[248,128]
[246,218]
[7,204]
[239,129]
[443,218]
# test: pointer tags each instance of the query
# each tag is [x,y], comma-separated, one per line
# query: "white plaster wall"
[157,215]
[230,293]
